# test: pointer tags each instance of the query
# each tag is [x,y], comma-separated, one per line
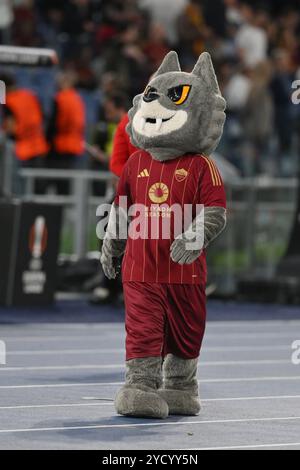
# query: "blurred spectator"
[6,20]
[287,37]
[23,124]
[82,65]
[119,45]
[110,82]
[114,110]
[257,121]
[156,46]
[281,86]
[166,13]
[126,58]
[233,15]
[251,38]
[122,148]
[66,129]
[25,25]
[235,85]
[237,89]
[215,16]
[192,31]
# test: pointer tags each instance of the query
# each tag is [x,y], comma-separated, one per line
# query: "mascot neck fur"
[179,112]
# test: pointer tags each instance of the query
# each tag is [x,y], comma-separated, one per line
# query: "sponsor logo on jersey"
[144,174]
[158,193]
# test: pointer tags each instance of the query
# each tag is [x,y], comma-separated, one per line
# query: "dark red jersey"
[157,186]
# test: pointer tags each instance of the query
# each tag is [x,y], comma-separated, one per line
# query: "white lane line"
[73,384]
[94,384]
[32,327]
[283,347]
[84,337]
[270,397]
[255,335]
[251,398]
[121,366]
[253,446]
[68,367]
[149,424]
[67,405]
[96,337]
[98,401]
[120,325]
[70,351]
[254,323]
[246,362]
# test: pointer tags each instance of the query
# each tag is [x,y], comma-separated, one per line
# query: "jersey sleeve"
[211,190]
[123,188]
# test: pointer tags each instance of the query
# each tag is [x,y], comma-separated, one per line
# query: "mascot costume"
[176,123]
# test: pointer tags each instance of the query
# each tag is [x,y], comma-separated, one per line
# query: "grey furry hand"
[207,226]
[107,262]
[181,254]
[114,242]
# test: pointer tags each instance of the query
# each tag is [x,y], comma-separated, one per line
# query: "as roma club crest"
[180,175]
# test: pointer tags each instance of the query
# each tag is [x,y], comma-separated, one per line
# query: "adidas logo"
[144,174]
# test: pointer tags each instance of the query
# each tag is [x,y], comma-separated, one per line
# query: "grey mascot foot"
[180,389]
[139,397]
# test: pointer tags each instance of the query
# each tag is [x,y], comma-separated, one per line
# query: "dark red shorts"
[163,319]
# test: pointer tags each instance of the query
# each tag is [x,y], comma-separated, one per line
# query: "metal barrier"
[79,200]
[260,215]
[6,166]
[260,218]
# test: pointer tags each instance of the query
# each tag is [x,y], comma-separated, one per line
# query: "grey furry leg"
[180,387]
[139,397]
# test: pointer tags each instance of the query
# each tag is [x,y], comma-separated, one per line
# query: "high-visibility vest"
[29,134]
[70,123]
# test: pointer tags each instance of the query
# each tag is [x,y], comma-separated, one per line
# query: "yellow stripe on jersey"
[212,173]
[215,175]
[218,174]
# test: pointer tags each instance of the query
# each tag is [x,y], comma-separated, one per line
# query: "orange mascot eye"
[179,94]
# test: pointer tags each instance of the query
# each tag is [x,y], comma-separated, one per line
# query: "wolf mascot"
[177,123]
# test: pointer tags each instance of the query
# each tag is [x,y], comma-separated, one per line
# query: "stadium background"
[65,361]
[112,47]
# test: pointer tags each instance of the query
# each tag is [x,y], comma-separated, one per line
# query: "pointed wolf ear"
[169,64]
[204,69]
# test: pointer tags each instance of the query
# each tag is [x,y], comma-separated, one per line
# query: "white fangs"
[146,123]
[158,124]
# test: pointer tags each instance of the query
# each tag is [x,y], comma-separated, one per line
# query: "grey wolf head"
[178,112]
